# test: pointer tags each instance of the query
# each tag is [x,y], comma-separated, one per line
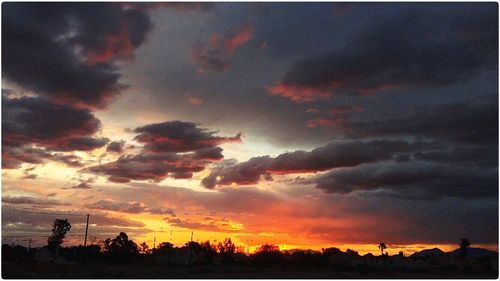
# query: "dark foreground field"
[11,270]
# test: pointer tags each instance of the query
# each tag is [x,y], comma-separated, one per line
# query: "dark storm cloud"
[418,49]
[115,146]
[473,122]
[178,136]
[209,153]
[414,180]
[84,143]
[144,166]
[30,121]
[173,149]
[67,51]
[474,155]
[36,120]
[333,155]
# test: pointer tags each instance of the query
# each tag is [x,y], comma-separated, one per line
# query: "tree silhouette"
[59,230]
[165,245]
[209,249]
[382,247]
[120,249]
[144,248]
[267,255]
[227,250]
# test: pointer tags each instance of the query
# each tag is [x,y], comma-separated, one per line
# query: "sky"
[305,125]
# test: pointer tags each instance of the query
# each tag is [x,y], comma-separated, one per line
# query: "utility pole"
[154,241]
[85,241]
[29,245]
[191,249]
[86,231]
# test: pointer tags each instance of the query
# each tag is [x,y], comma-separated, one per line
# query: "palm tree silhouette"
[382,247]
[464,245]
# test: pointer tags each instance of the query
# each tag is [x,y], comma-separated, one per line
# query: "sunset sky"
[306,125]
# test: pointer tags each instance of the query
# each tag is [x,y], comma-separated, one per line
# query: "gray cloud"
[411,54]
[413,180]
[333,155]
[133,207]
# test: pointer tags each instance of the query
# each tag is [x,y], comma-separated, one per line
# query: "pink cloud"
[298,94]
[324,122]
[216,56]
[194,100]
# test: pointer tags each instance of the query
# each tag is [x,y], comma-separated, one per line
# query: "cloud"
[333,116]
[116,146]
[82,185]
[209,153]
[132,207]
[414,180]
[160,211]
[207,226]
[216,56]
[343,8]
[471,122]
[54,126]
[307,214]
[25,222]
[173,149]
[178,136]
[342,110]
[13,157]
[29,176]
[418,50]
[473,155]
[181,6]
[30,200]
[146,166]
[194,100]
[324,122]
[66,51]
[332,155]
[35,130]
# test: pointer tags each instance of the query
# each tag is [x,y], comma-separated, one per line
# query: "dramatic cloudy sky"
[300,124]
